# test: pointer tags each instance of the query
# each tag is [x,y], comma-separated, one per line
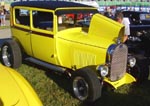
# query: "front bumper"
[126,79]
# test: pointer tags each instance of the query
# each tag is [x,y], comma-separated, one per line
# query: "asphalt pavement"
[5,33]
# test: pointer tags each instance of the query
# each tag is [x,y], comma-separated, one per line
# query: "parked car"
[91,56]
[139,40]
[15,90]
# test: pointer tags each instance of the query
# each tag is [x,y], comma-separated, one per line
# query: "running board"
[44,64]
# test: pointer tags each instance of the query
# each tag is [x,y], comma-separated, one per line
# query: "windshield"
[74,20]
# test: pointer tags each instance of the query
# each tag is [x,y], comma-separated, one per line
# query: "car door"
[21,29]
[42,37]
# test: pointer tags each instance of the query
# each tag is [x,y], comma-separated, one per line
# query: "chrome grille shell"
[118,62]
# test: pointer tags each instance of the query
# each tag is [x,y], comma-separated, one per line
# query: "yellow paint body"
[70,47]
[15,90]
[87,48]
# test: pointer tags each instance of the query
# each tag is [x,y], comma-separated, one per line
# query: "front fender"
[125,80]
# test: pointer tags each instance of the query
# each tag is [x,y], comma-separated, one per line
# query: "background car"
[15,90]
[139,40]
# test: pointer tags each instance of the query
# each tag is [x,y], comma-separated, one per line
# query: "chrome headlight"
[139,33]
[103,70]
[131,61]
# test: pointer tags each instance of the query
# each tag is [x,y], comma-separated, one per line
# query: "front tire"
[141,70]
[11,54]
[86,85]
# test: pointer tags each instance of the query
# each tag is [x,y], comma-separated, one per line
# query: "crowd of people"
[2,15]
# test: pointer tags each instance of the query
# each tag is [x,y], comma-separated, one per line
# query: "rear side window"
[42,20]
[22,17]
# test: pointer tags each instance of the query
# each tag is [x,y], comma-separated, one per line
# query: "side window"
[22,17]
[42,20]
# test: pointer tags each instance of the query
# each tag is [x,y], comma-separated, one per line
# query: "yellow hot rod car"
[15,90]
[87,46]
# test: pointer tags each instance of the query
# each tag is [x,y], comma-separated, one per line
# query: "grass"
[54,89]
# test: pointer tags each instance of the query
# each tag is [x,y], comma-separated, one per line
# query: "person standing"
[2,15]
[125,21]
[1,12]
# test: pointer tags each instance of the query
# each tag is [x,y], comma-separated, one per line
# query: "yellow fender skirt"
[125,80]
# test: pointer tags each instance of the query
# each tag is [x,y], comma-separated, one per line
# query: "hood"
[11,92]
[105,27]
[76,35]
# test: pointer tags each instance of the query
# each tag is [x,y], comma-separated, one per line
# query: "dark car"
[139,39]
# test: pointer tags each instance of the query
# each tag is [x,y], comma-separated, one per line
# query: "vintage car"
[139,40]
[15,90]
[91,56]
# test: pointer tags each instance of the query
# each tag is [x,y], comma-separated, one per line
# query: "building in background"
[134,5]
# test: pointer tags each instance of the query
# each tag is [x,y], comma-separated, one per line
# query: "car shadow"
[128,95]
[136,95]
[62,80]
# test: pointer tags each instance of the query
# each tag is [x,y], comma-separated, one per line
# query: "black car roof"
[48,4]
[138,12]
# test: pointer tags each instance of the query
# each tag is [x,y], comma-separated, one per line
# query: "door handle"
[29,33]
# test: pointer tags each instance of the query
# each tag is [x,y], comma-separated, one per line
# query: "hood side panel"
[106,28]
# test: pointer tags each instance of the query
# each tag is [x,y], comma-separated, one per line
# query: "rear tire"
[86,85]
[11,54]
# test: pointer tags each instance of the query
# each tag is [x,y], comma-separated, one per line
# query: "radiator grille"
[118,62]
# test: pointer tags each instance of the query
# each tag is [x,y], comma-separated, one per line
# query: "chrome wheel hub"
[80,88]
[6,56]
